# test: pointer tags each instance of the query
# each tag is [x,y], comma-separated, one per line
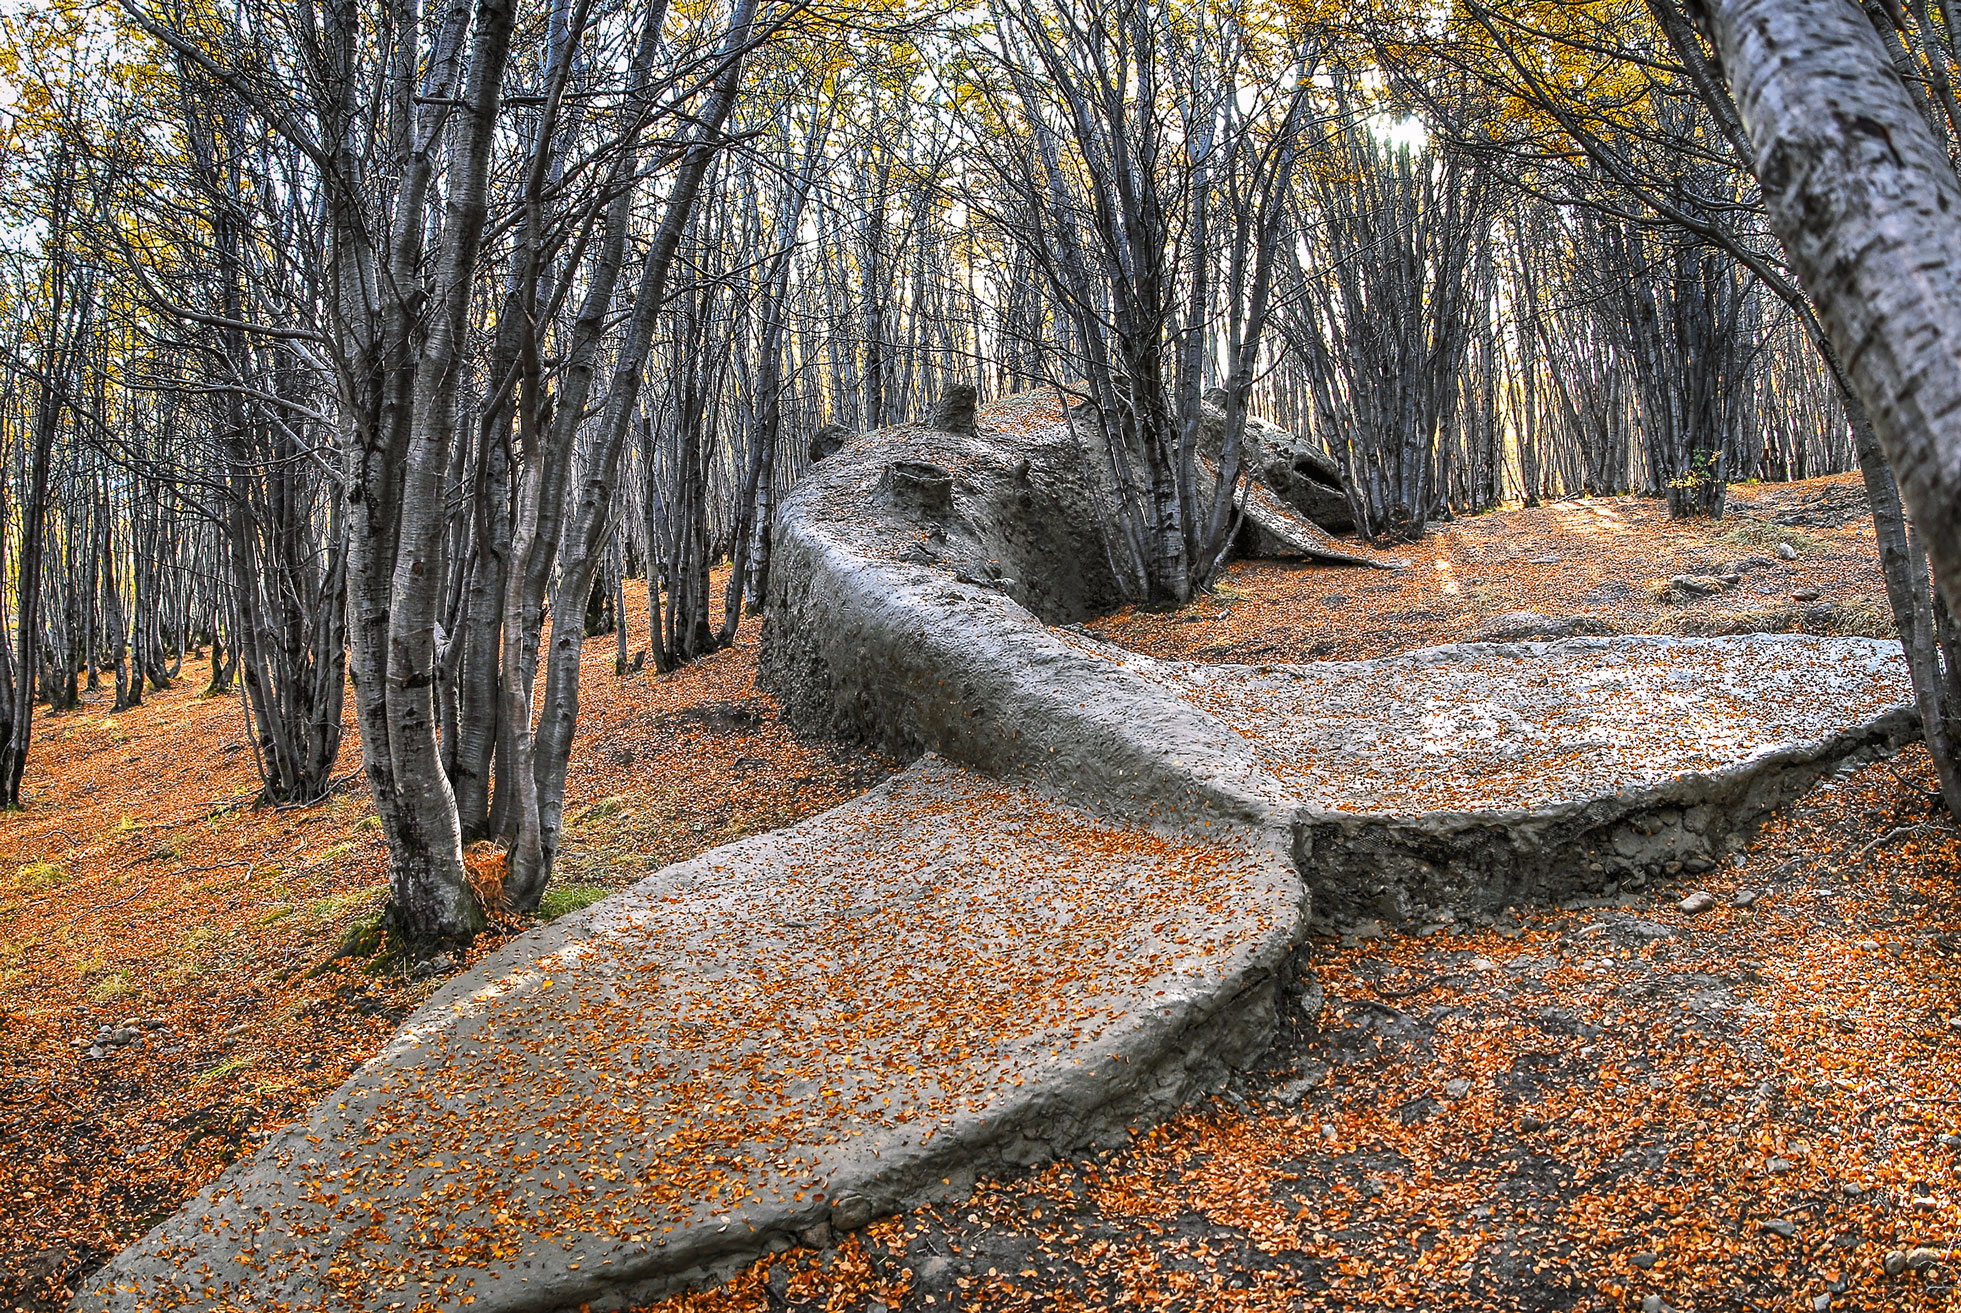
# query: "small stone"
[1698,902]
[1777,1166]
[1820,1304]
[1483,964]
[1948,1141]
[1896,1262]
[1744,898]
[1779,1226]
[936,1274]
[1786,552]
[1456,1089]
[1851,1190]
[954,412]
[1530,1122]
[849,1212]
[1919,1259]
[1293,1092]
[1651,1304]
[441,964]
[1296,1090]
[1805,595]
[1646,1259]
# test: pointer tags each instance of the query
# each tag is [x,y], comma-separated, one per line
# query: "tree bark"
[1867,204]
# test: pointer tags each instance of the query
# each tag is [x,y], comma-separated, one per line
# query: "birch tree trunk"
[1867,204]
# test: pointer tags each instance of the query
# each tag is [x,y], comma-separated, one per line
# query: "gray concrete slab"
[809,1028]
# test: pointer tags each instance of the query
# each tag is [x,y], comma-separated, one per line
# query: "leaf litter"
[139,883]
[1750,1108]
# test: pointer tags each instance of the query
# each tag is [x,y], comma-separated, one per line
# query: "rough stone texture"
[1478,775]
[827,441]
[1273,528]
[886,642]
[925,632]
[814,1027]
[1303,476]
[1292,495]
[919,487]
[954,412]
[1494,725]
[1523,626]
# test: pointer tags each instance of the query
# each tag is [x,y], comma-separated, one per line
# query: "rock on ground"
[1305,478]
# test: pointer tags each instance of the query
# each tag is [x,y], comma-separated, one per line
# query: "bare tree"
[1383,318]
[1111,134]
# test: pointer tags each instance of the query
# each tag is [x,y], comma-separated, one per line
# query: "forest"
[491,486]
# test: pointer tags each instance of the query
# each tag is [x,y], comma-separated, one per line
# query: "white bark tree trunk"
[1868,207]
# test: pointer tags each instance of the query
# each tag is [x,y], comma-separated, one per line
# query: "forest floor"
[140,884]
[1611,561]
[1570,1108]
[1582,1108]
